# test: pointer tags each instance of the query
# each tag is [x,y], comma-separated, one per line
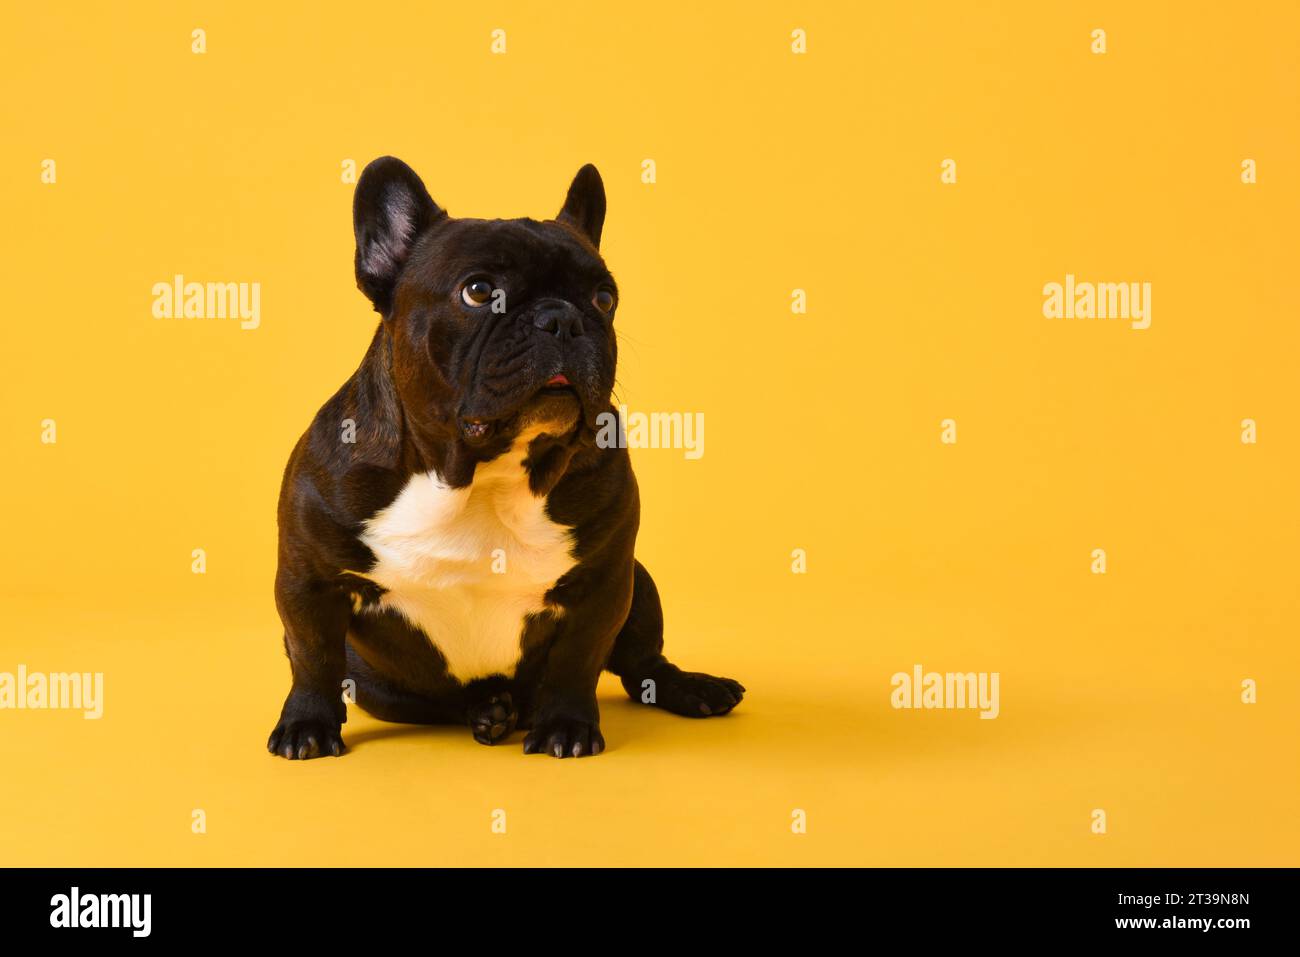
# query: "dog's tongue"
[557,380]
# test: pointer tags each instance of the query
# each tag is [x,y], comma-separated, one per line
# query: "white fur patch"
[466,566]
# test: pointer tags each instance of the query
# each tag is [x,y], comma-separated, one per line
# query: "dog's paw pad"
[564,738]
[697,695]
[493,719]
[303,739]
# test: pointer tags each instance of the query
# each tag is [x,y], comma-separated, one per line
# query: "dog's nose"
[559,317]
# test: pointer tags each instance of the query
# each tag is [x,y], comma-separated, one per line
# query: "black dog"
[455,545]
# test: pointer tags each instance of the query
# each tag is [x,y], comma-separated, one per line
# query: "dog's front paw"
[302,738]
[563,737]
[493,719]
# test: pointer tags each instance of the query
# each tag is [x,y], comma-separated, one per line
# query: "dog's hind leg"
[649,677]
[485,705]
[378,696]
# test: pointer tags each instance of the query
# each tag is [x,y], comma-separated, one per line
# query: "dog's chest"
[468,566]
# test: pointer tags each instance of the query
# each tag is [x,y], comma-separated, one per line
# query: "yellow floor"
[1186,773]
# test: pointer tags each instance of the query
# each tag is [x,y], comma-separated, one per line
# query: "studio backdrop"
[957,350]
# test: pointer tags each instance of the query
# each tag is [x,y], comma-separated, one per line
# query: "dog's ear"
[584,207]
[390,209]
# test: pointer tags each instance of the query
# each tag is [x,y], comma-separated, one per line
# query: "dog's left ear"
[584,207]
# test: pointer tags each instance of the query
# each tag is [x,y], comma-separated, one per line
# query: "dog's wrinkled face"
[514,315]
[497,326]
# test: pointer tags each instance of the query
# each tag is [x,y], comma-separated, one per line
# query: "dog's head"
[496,326]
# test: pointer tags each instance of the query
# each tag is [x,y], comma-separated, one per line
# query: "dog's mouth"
[556,393]
[555,407]
[556,388]
[557,384]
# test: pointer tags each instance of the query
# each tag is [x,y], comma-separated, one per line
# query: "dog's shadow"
[383,731]
[622,722]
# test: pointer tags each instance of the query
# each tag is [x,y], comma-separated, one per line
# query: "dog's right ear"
[390,209]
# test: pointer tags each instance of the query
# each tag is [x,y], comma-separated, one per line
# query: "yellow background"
[775,172]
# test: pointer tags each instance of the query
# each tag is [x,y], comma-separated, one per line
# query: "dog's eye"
[604,300]
[476,292]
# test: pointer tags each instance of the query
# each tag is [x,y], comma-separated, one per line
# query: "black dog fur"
[446,386]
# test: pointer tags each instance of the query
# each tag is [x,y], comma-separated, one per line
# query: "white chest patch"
[466,566]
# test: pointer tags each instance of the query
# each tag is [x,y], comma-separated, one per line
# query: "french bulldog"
[455,546]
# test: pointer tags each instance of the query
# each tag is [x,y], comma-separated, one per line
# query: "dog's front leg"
[316,618]
[565,717]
